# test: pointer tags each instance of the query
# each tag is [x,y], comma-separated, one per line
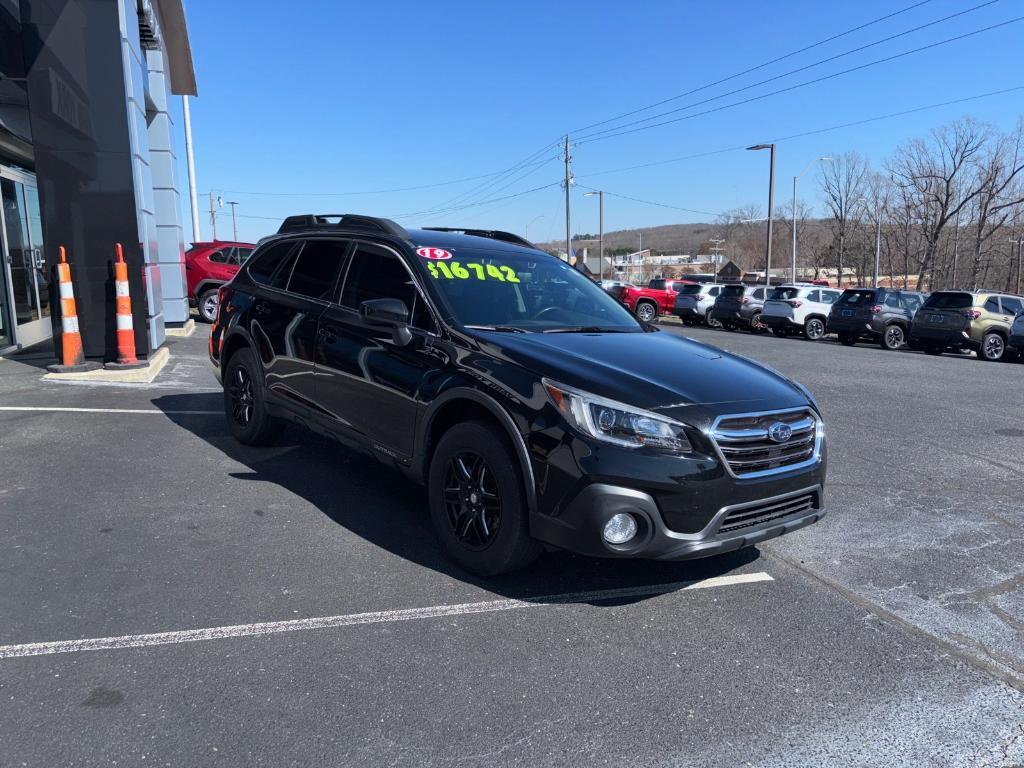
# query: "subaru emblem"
[780,432]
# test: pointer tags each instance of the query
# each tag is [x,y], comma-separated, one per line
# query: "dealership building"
[87,160]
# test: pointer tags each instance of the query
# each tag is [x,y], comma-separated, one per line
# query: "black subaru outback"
[534,407]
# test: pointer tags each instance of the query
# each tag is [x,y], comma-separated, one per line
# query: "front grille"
[747,448]
[763,513]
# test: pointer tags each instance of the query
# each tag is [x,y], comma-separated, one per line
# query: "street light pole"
[771,206]
[795,180]
[600,226]
[568,225]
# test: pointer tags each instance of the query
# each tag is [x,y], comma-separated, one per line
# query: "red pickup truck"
[657,298]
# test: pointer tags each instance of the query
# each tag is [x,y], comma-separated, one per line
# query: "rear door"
[945,311]
[778,303]
[730,299]
[853,310]
[365,381]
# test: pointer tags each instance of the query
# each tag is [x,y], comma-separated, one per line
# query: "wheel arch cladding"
[234,342]
[468,405]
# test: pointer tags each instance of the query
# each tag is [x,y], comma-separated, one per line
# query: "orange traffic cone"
[125,331]
[72,353]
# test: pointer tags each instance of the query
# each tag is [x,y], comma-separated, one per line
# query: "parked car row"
[988,323]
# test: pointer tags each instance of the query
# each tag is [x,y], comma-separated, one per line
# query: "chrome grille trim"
[742,443]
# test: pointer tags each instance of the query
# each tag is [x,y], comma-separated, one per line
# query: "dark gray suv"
[740,306]
[882,315]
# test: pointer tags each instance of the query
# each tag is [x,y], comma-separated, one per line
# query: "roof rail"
[342,221]
[493,234]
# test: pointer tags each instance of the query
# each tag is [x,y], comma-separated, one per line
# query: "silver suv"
[694,302]
[739,306]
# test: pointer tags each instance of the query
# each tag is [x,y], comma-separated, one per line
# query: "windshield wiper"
[499,328]
[588,329]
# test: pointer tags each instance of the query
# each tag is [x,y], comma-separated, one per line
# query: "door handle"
[328,333]
[262,308]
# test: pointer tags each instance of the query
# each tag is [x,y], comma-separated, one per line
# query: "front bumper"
[579,528]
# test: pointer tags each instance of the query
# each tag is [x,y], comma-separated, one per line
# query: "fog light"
[619,529]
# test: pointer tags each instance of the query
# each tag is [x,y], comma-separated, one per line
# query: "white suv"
[799,307]
[694,302]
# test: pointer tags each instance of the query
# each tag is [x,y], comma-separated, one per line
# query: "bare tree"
[1000,193]
[934,175]
[844,182]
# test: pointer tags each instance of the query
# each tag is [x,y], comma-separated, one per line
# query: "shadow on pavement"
[384,508]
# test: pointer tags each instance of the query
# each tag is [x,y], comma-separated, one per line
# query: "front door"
[367,382]
[24,287]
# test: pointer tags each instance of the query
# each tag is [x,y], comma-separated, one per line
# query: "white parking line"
[106,410]
[379,617]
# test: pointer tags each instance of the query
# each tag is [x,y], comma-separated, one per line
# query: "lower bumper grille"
[747,517]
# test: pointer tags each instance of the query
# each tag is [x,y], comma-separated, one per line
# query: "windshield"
[949,300]
[783,294]
[525,292]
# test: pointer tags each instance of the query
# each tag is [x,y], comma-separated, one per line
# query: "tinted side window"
[992,305]
[1012,305]
[656,284]
[910,301]
[713,291]
[316,268]
[758,293]
[829,297]
[892,300]
[219,257]
[814,296]
[243,254]
[375,273]
[272,262]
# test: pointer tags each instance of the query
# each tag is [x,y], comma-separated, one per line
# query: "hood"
[657,371]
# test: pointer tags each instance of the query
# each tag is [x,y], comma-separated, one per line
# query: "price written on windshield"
[455,270]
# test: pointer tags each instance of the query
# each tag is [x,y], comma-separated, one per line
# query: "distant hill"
[670,238]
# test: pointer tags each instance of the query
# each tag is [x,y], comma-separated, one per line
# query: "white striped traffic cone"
[72,352]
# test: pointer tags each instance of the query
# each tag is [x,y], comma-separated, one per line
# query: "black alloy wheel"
[478,500]
[244,405]
[243,401]
[471,500]
[992,348]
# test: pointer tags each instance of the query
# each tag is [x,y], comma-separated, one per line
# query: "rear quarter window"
[856,298]
[733,290]
[272,266]
[783,294]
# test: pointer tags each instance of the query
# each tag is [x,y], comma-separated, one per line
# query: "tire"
[756,326]
[245,405]
[814,329]
[646,312]
[711,321]
[847,339]
[893,337]
[993,348]
[208,304]
[475,469]
[932,349]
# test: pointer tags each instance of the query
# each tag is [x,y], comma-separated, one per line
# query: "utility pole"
[771,214]
[600,225]
[234,223]
[878,244]
[568,213]
[190,157]
[213,218]
[1020,243]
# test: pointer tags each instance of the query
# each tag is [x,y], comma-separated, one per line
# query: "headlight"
[617,423]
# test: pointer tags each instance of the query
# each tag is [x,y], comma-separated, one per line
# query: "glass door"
[26,296]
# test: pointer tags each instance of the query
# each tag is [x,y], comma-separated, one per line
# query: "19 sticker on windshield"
[434,254]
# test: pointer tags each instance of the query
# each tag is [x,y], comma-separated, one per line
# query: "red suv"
[207,267]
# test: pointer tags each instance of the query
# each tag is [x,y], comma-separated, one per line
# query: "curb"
[143,375]
[187,329]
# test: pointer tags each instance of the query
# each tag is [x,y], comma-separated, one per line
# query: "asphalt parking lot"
[173,598]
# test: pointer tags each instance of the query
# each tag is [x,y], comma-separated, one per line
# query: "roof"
[177,48]
[456,240]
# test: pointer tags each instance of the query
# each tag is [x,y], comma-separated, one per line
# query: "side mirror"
[389,312]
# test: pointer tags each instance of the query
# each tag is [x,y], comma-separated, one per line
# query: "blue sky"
[329,97]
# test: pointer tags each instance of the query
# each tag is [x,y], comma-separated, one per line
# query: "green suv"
[963,320]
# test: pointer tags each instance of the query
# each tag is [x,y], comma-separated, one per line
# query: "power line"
[473,205]
[808,82]
[804,68]
[812,132]
[651,202]
[755,68]
[356,193]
